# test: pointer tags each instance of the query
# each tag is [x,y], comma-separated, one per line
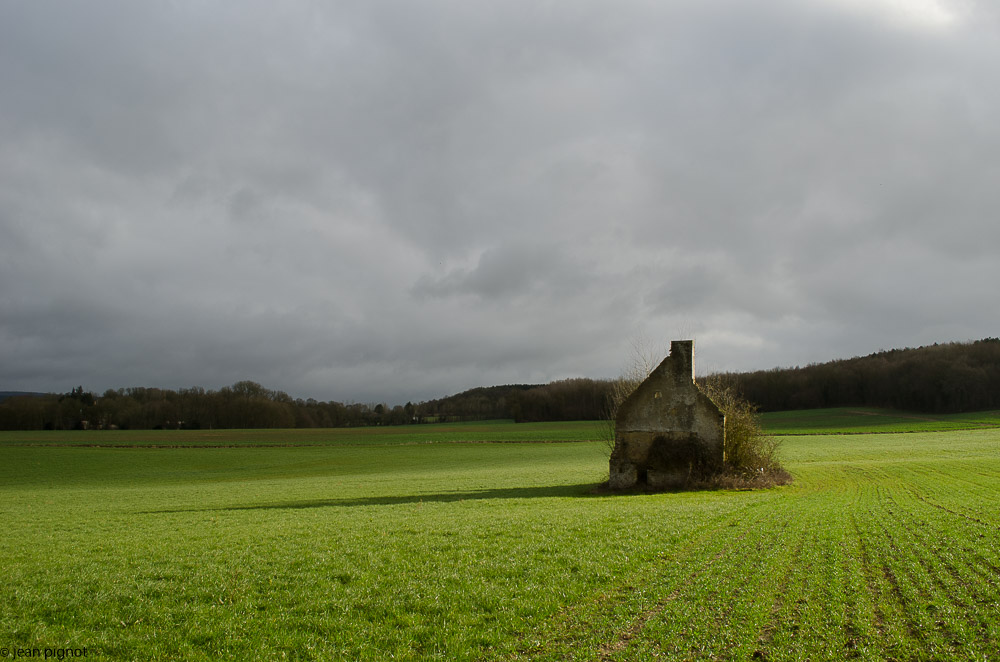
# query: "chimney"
[682,359]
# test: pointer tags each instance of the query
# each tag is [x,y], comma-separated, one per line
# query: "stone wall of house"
[667,429]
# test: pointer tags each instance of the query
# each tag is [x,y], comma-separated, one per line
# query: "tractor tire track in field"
[946,509]
[874,570]
[960,592]
[969,595]
[821,585]
[987,569]
[902,576]
[692,559]
[732,549]
[852,611]
[871,569]
[930,557]
[851,572]
[976,490]
[975,500]
[573,621]
[609,649]
[919,577]
[935,600]
[767,632]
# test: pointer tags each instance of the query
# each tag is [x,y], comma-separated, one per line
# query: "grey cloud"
[508,271]
[396,201]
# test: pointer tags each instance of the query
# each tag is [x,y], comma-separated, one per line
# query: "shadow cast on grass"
[581,490]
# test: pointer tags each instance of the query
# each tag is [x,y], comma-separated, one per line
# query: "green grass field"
[375,545]
[480,431]
[871,420]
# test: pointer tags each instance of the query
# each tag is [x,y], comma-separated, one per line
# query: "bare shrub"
[751,453]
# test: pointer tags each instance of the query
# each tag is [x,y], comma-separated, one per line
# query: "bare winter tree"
[642,360]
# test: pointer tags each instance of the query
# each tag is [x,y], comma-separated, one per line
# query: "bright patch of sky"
[922,14]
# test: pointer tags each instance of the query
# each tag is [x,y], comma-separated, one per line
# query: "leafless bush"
[751,453]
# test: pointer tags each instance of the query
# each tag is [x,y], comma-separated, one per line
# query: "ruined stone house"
[667,429]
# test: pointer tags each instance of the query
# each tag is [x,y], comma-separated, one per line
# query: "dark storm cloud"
[395,201]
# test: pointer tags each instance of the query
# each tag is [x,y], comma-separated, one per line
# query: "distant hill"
[576,399]
[480,403]
[939,378]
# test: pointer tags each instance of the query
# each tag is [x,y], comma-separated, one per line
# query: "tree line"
[245,404]
[945,378]
[939,378]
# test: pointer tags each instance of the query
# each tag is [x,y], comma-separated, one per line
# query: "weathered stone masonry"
[667,428]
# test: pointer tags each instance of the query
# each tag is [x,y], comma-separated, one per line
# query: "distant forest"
[947,378]
[941,379]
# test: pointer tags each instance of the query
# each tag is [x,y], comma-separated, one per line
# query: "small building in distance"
[667,430]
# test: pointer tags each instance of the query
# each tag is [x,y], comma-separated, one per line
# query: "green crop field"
[413,544]
[480,431]
[870,420]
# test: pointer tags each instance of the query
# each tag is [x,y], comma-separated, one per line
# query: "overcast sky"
[388,201]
